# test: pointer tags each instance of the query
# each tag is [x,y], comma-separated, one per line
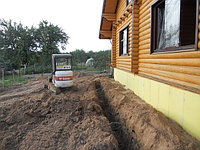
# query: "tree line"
[20,44]
[101,59]
[32,47]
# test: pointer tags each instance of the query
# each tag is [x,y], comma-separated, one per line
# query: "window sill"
[174,84]
[124,55]
[189,49]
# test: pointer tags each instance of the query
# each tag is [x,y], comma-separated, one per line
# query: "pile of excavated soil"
[97,114]
[141,123]
[39,119]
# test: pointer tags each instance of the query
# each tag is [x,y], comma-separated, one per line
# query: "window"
[124,42]
[63,63]
[173,25]
[128,2]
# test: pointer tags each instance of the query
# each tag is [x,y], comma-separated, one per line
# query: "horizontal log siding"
[113,56]
[181,68]
[121,8]
[124,62]
[199,31]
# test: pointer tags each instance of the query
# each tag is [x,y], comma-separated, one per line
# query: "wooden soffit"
[108,16]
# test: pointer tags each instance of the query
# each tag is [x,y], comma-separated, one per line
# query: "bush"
[47,69]
[36,69]
[33,69]
[10,82]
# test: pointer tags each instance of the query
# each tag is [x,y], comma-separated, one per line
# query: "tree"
[101,58]
[9,39]
[16,43]
[22,45]
[79,57]
[48,39]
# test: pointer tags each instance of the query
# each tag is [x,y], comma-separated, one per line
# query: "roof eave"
[103,10]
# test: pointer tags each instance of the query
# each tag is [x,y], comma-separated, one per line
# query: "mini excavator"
[62,75]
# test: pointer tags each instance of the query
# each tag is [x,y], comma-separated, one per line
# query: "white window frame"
[124,41]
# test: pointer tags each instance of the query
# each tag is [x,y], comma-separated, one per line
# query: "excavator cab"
[62,75]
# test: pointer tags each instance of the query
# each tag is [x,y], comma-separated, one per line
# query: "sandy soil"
[96,114]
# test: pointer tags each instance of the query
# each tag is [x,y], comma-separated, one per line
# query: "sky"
[80,19]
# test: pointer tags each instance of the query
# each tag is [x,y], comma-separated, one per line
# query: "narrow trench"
[121,133]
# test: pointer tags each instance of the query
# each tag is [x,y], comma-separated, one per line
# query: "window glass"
[125,42]
[188,22]
[161,26]
[127,2]
[172,23]
[63,63]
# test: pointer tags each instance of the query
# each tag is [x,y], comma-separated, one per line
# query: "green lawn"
[9,81]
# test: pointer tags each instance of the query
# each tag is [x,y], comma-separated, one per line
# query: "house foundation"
[176,103]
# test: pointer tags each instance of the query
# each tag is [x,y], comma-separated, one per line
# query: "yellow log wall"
[181,67]
[124,12]
[113,52]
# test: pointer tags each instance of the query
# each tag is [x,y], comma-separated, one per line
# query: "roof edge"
[103,9]
[104,2]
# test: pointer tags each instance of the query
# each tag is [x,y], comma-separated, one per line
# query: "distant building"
[89,62]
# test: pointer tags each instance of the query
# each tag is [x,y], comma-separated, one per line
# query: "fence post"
[19,72]
[104,60]
[41,63]
[3,84]
[13,75]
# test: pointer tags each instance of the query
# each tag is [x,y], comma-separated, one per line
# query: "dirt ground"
[96,114]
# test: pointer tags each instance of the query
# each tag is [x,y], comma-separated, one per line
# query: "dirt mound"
[42,120]
[140,122]
[79,74]
[97,113]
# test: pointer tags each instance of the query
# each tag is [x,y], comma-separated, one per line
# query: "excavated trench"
[120,131]
[74,119]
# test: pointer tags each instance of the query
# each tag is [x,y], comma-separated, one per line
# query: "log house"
[156,53]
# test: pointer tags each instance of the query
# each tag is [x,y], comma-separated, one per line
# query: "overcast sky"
[80,19]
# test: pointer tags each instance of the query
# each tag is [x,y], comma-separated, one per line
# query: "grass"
[9,81]
[35,69]
[93,69]
[86,69]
